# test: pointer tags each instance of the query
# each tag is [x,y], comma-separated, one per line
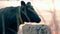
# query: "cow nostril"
[38,21]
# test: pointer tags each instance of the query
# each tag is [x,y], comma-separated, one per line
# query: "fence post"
[36,29]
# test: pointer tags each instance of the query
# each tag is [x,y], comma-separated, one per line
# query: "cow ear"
[28,3]
[29,6]
[23,3]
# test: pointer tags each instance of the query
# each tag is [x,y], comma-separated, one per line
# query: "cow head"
[28,13]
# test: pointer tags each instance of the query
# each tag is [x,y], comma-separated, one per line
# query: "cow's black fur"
[10,15]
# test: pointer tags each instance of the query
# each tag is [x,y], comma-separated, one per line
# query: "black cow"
[12,17]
